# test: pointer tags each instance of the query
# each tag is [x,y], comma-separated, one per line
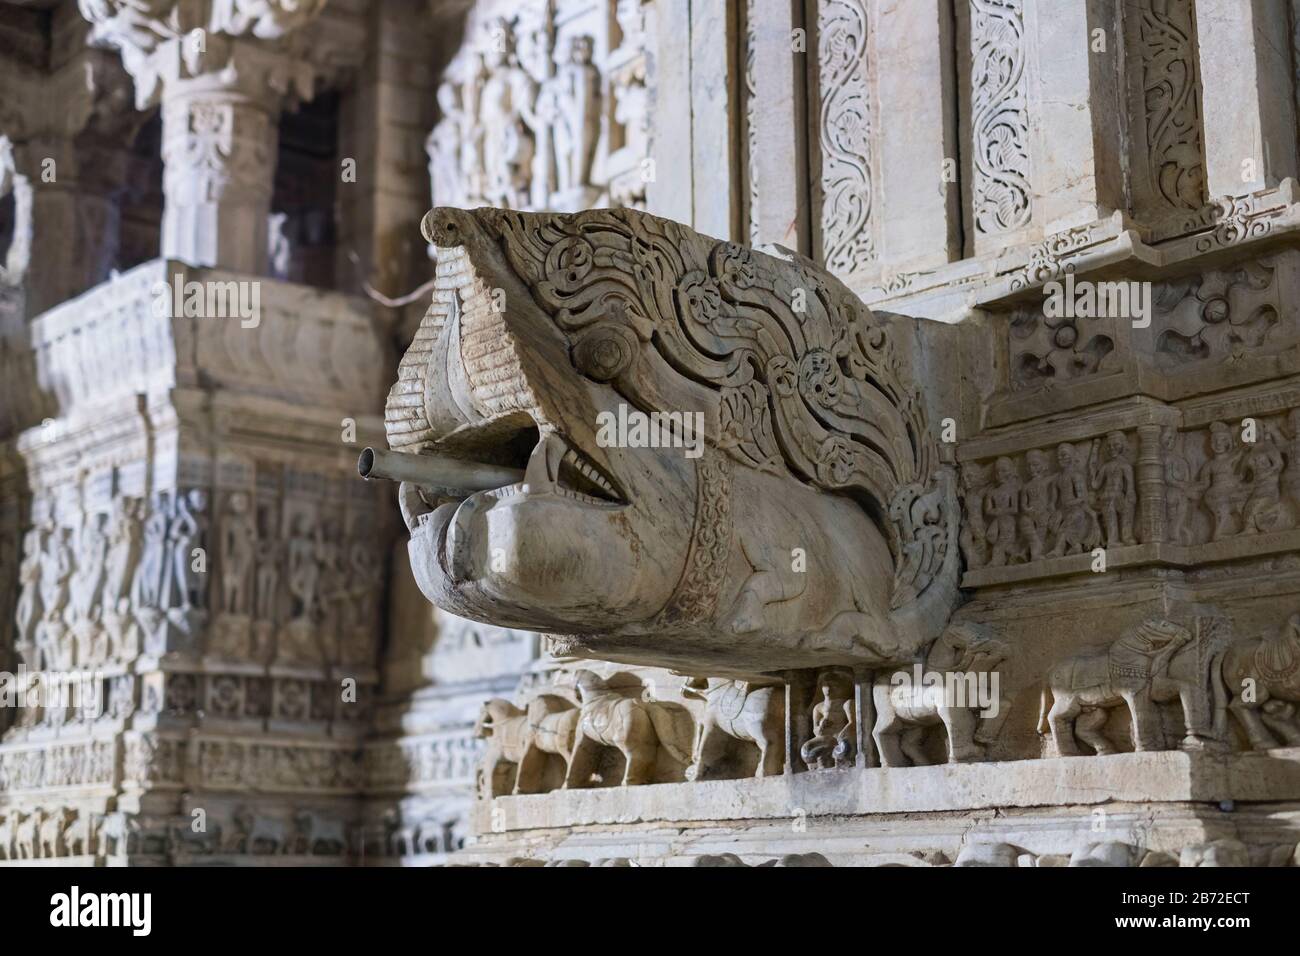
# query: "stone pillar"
[920,225]
[775,120]
[219,149]
[1075,103]
[1249,109]
[221,79]
[69,133]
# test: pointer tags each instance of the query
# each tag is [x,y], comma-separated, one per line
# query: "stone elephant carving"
[1154,663]
[907,702]
[738,711]
[524,737]
[1271,667]
[636,728]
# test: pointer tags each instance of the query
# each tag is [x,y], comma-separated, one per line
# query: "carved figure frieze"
[524,113]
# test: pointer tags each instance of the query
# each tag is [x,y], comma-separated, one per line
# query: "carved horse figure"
[637,728]
[1271,667]
[738,710]
[524,736]
[904,710]
[1152,664]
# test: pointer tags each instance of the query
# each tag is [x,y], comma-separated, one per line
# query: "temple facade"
[838,432]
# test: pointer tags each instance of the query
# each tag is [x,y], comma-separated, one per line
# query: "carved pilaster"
[844,131]
[999,134]
[1150,484]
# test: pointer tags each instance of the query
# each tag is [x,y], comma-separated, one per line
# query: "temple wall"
[182,529]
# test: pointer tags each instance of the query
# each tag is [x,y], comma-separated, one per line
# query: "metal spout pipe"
[435,471]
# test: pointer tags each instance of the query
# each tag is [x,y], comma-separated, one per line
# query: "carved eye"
[605,351]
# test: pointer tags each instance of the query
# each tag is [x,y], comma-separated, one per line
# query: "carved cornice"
[250,45]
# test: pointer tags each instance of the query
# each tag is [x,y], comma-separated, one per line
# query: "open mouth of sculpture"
[555,466]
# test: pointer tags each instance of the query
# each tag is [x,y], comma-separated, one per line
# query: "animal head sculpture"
[668,449]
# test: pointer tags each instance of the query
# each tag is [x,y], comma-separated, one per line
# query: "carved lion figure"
[721,459]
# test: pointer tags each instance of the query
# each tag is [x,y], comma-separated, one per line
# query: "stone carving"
[1112,479]
[638,729]
[236,542]
[833,389]
[737,711]
[834,724]
[1171,99]
[320,834]
[845,135]
[1180,487]
[1222,315]
[905,707]
[1262,677]
[261,834]
[575,93]
[1055,350]
[1000,119]
[1154,663]
[523,738]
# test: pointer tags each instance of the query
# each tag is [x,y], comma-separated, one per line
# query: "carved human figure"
[1074,523]
[184,535]
[1113,481]
[238,541]
[577,123]
[831,745]
[334,591]
[29,610]
[444,147]
[149,579]
[87,581]
[1037,501]
[1179,486]
[123,554]
[1003,504]
[57,565]
[304,567]
[507,141]
[974,531]
[1262,466]
[1219,484]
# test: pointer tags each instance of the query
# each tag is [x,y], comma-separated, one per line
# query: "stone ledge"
[1164,777]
